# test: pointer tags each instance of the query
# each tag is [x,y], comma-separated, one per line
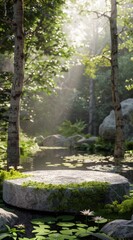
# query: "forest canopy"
[67,62]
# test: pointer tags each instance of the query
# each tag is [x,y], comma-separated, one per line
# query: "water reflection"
[63,158]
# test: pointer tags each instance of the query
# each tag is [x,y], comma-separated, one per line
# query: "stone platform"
[54,199]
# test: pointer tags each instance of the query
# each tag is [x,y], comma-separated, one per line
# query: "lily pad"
[66,224]
[81,225]
[66,232]
[41,231]
[37,221]
[92,229]
[81,232]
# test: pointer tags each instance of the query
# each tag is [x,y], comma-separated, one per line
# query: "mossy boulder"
[65,190]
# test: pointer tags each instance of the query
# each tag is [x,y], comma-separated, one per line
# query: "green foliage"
[128,145]
[3,154]
[12,233]
[126,206]
[46,48]
[12,174]
[66,196]
[123,209]
[102,146]
[99,147]
[27,147]
[93,64]
[61,227]
[68,128]
[5,85]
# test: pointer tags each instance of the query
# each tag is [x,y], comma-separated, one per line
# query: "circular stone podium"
[64,190]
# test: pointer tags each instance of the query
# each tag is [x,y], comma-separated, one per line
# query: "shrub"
[68,128]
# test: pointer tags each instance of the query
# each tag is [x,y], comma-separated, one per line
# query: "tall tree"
[45,50]
[119,138]
[92,106]
[17,86]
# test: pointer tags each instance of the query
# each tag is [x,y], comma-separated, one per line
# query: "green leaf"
[39,238]
[54,236]
[66,232]
[37,221]
[5,235]
[101,221]
[41,230]
[65,224]
[81,232]
[47,219]
[92,229]
[81,225]
[27,238]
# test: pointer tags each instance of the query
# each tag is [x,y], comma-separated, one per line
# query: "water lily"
[99,219]
[87,212]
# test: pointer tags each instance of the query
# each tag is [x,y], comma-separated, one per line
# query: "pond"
[56,226]
[63,158]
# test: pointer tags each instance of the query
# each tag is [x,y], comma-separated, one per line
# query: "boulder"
[73,140]
[107,128]
[39,140]
[56,140]
[90,140]
[7,218]
[119,228]
[60,195]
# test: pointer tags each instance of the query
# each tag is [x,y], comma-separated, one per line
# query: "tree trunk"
[119,139]
[92,105]
[91,127]
[13,151]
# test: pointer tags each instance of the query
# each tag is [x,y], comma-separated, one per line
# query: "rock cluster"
[58,140]
[107,128]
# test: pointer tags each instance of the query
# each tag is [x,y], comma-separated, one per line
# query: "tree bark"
[13,150]
[91,125]
[119,138]
[92,102]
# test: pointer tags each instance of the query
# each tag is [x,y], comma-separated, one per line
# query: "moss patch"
[12,174]
[75,196]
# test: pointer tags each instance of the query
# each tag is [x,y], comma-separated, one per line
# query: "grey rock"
[56,140]
[107,128]
[90,140]
[39,140]
[7,218]
[73,140]
[119,228]
[41,199]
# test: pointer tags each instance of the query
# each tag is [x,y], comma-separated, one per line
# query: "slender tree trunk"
[119,139]
[92,105]
[91,127]
[13,151]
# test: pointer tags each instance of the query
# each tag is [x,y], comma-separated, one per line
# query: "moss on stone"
[12,174]
[74,196]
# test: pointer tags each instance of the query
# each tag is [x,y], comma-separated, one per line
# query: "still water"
[62,158]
